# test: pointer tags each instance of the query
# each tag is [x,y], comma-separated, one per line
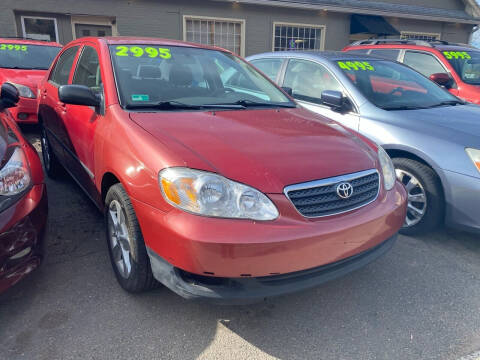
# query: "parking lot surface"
[420,301]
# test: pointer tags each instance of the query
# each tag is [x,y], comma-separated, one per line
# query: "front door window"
[308,80]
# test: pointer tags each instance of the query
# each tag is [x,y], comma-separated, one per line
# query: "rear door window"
[269,67]
[424,63]
[389,54]
[63,67]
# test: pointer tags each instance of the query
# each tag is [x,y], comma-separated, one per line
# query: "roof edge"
[472,6]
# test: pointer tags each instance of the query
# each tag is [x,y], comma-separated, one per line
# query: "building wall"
[448,32]
[165,19]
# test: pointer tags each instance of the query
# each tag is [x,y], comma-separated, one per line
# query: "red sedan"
[24,63]
[212,180]
[23,198]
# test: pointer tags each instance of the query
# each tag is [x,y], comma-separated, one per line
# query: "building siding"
[165,19]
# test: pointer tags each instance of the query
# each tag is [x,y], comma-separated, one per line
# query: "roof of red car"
[8,40]
[113,40]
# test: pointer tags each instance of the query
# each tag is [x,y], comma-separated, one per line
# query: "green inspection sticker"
[140,97]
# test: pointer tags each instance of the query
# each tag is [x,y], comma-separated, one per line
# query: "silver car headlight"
[388,170]
[474,154]
[24,91]
[208,194]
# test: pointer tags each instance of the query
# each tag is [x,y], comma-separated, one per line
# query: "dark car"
[23,198]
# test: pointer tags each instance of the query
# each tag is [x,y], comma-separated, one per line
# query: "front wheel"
[426,204]
[128,253]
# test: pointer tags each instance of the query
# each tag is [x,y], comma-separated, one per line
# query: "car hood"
[453,121]
[30,78]
[267,149]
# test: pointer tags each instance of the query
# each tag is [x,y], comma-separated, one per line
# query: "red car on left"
[23,198]
[24,63]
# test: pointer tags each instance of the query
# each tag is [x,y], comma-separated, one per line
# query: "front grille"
[320,198]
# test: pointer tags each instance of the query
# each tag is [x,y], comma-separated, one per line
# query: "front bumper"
[249,290]
[26,111]
[463,201]
[22,229]
[244,248]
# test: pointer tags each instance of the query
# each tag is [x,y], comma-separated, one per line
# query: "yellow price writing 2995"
[138,51]
[355,65]
[13,47]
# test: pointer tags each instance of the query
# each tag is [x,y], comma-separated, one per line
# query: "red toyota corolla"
[23,198]
[24,63]
[212,180]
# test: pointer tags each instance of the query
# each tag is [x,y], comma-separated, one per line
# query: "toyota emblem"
[344,190]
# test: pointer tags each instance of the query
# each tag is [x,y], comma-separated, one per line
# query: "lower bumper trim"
[249,290]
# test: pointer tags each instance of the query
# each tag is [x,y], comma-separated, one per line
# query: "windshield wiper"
[448,102]
[404,107]
[251,103]
[176,105]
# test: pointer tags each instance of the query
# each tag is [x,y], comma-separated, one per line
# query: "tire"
[52,166]
[126,247]
[417,178]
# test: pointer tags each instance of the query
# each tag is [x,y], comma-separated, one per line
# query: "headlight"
[209,194]
[14,178]
[24,91]
[475,156]
[388,170]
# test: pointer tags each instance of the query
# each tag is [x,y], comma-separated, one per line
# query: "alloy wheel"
[417,197]
[119,239]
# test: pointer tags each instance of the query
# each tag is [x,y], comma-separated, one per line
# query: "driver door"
[81,121]
[308,80]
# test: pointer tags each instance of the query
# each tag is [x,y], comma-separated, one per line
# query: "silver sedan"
[432,136]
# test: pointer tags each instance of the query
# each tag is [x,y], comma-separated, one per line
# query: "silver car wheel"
[119,239]
[417,197]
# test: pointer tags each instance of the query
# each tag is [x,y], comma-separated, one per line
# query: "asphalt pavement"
[420,301]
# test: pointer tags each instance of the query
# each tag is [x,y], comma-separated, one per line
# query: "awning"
[369,24]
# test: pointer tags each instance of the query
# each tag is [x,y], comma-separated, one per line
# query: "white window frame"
[22,20]
[242,23]
[438,36]
[315,26]
[92,20]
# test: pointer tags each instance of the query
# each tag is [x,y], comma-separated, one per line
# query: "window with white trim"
[225,33]
[407,35]
[298,37]
[39,28]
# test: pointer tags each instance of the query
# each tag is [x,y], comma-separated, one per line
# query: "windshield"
[152,76]
[466,65]
[24,56]
[392,86]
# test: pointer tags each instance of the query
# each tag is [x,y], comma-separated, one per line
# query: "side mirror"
[335,100]
[288,90]
[8,96]
[78,95]
[442,79]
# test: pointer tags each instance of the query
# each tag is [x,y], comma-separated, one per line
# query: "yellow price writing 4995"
[355,65]
[138,51]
